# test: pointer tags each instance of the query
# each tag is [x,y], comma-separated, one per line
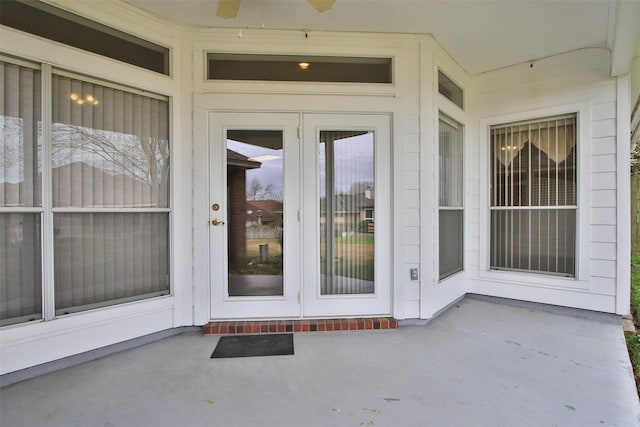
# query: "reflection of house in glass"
[351,212]
[237,166]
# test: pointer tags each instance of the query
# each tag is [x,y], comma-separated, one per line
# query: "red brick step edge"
[313,325]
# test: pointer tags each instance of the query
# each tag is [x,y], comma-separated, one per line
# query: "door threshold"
[307,325]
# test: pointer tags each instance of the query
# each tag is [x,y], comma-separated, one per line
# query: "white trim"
[29,344]
[623,204]
[62,72]
[20,210]
[47,237]
[111,210]
[435,293]
[16,60]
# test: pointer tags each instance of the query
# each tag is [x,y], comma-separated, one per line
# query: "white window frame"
[47,211]
[444,117]
[583,133]
[38,210]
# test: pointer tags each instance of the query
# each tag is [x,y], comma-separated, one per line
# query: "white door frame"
[224,306]
[379,302]
[305,300]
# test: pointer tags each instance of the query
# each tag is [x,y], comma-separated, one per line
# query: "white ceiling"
[481,35]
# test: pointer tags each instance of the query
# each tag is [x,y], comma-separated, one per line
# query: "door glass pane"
[255,217]
[347,212]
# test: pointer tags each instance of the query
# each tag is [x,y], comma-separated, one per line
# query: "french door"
[300,215]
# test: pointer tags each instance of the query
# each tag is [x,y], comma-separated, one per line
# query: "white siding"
[576,81]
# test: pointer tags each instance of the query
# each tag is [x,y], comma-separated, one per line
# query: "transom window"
[298,68]
[534,196]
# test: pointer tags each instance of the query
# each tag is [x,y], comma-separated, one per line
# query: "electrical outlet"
[414,273]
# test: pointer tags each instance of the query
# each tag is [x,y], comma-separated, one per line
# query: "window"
[291,68]
[533,196]
[450,90]
[368,214]
[20,193]
[451,215]
[108,201]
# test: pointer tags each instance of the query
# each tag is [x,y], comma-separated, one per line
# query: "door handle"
[216,222]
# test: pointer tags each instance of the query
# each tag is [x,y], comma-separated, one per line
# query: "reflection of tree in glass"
[14,141]
[257,191]
[144,159]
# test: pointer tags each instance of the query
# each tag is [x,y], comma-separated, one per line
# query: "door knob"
[216,221]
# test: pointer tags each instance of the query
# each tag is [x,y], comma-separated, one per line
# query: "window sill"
[533,279]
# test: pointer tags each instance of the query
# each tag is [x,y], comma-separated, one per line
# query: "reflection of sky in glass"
[353,163]
[11,150]
[270,171]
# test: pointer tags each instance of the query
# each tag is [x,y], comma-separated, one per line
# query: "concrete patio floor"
[484,362]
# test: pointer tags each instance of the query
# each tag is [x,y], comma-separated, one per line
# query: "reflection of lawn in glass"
[253,265]
[354,256]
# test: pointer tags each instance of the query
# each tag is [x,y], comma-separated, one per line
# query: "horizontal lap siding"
[411,190]
[408,186]
[574,78]
[603,217]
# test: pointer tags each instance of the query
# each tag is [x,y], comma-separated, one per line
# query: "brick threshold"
[237,327]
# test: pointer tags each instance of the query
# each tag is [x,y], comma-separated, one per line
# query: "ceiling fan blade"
[228,8]
[321,5]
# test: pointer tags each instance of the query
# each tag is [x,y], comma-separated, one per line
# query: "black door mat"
[254,345]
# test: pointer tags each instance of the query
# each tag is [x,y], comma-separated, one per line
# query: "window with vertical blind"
[20,192]
[534,195]
[104,198]
[110,176]
[451,212]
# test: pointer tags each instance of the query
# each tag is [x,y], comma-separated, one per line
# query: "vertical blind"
[110,154]
[110,148]
[20,188]
[451,215]
[534,195]
[347,197]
